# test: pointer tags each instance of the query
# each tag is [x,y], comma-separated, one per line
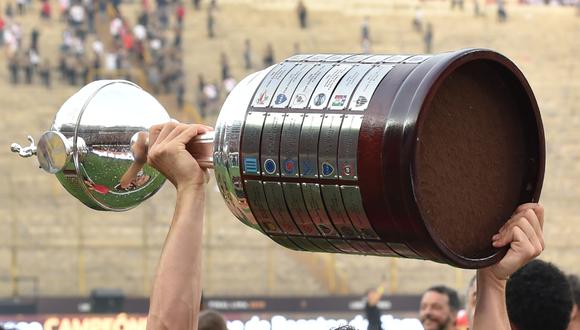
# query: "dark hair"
[211,320]
[345,327]
[575,286]
[451,294]
[538,297]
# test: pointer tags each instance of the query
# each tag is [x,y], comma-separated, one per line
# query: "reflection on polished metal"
[390,155]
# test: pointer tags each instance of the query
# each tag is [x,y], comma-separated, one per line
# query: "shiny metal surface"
[328,146]
[290,147]
[309,145]
[270,144]
[54,151]
[88,146]
[347,166]
[227,157]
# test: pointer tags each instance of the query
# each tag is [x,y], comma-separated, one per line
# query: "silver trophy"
[331,152]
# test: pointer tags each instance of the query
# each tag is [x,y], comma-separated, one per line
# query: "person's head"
[470,299]
[211,320]
[575,286]
[345,327]
[439,306]
[538,296]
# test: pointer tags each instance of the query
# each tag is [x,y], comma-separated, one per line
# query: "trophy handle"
[24,152]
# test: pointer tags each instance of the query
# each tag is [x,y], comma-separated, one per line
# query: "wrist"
[187,188]
[489,279]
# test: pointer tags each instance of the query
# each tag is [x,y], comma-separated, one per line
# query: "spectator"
[225,66]
[269,56]
[229,85]
[196,4]
[211,320]
[210,23]
[21,5]
[45,74]
[180,14]
[439,307]
[34,39]
[575,319]
[91,13]
[418,19]
[457,3]
[9,11]
[247,54]
[538,297]
[372,311]
[365,36]
[14,67]
[302,14]
[180,94]
[45,10]
[501,11]
[428,38]
[2,25]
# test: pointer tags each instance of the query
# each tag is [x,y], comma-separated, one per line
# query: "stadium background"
[51,246]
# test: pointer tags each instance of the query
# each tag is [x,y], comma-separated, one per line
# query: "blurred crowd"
[99,41]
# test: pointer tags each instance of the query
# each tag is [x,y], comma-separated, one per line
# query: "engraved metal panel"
[259,206]
[335,208]
[318,57]
[322,93]
[337,57]
[376,58]
[343,92]
[306,87]
[265,92]
[396,59]
[417,59]
[270,146]
[295,202]
[278,208]
[298,57]
[315,207]
[328,145]
[347,166]
[290,145]
[356,212]
[357,58]
[288,85]
[308,154]
[365,90]
[251,142]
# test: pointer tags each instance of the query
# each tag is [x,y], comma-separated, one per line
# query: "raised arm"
[176,292]
[524,234]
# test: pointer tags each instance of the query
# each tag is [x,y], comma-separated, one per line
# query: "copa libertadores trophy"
[421,156]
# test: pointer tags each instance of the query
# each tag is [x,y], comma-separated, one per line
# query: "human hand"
[167,153]
[524,234]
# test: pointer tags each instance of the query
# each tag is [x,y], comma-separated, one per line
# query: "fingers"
[167,128]
[528,222]
[192,130]
[537,207]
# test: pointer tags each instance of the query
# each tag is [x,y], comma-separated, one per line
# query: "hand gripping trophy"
[390,155]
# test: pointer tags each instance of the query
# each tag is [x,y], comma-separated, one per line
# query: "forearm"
[176,292]
[491,311]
